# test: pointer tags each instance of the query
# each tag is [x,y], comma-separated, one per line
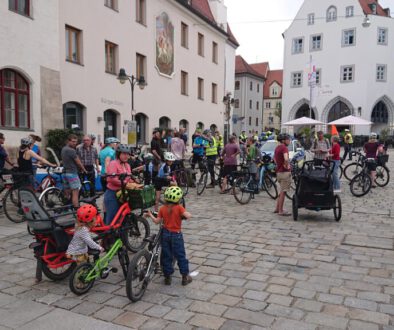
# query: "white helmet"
[373,135]
[169,156]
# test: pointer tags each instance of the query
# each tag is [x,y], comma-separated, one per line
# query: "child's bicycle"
[85,274]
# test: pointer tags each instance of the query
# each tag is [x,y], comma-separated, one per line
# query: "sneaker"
[167,280]
[186,279]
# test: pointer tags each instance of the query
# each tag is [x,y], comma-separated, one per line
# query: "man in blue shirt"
[107,154]
[199,145]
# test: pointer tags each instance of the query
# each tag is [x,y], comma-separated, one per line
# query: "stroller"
[314,189]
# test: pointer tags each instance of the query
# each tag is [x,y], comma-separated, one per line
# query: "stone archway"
[389,105]
[303,102]
[332,103]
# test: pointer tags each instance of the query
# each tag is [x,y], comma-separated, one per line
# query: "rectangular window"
[200,44]
[257,105]
[274,91]
[382,36]
[251,85]
[113,4]
[298,45]
[214,52]
[214,98]
[296,79]
[311,19]
[250,122]
[348,37]
[73,44]
[381,70]
[258,88]
[200,91]
[268,105]
[236,103]
[140,66]
[349,11]
[140,11]
[20,6]
[347,73]
[318,76]
[237,85]
[111,53]
[316,42]
[250,104]
[257,122]
[184,83]
[184,35]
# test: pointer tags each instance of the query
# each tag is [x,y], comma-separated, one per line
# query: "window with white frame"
[382,36]
[251,85]
[296,79]
[250,104]
[237,85]
[318,76]
[140,12]
[349,11]
[311,19]
[348,37]
[257,105]
[381,70]
[236,103]
[347,73]
[298,45]
[331,15]
[268,105]
[113,4]
[274,91]
[316,42]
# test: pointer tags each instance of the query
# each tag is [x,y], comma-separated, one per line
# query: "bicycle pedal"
[105,272]
[114,270]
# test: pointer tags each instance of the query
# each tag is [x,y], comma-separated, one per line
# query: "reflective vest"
[348,138]
[212,150]
[243,138]
[221,142]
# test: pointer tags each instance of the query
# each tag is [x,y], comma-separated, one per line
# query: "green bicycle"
[84,275]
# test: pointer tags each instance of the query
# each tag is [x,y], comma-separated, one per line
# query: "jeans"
[211,167]
[111,205]
[91,177]
[348,150]
[173,247]
[335,175]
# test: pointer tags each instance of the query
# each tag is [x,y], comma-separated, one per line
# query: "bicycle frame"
[154,249]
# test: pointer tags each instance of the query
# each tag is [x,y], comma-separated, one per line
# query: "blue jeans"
[111,205]
[172,246]
[335,175]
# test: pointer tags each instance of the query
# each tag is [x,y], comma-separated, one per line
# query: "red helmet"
[86,213]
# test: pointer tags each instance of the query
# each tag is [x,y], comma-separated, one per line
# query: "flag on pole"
[312,84]
[334,130]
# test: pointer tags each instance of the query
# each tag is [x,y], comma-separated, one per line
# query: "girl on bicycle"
[173,247]
[81,241]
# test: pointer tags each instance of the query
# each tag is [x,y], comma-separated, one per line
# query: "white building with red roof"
[349,46]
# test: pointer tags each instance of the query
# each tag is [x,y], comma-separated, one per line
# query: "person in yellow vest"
[348,138]
[220,141]
[211,151]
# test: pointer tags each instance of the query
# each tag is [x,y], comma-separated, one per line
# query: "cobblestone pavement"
[257,270]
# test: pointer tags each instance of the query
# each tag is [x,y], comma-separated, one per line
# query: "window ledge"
[200,98]
[10,128]
[72,62]
[141,23]
[111,73]
[184,94]
[114,9]
[17,12]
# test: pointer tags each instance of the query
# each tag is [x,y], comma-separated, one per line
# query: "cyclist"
[220,140]
[251,155]
[211,152]
[156,150]
[283,171]
[164,178]
[3,154]
[242,143]
[348,138]
[106,155]
[372,148]
[335,157]
[148,168]
[199,145]
[178,148]
[88,155]
[172,243]
[37,150]
[230,152]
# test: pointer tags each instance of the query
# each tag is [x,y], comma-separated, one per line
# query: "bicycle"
[201,177]
[361,184]
[354,168]
[245,187]
[266,182]
[85,274]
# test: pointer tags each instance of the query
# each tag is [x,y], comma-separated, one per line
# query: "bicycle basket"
[140,199]
[383,159]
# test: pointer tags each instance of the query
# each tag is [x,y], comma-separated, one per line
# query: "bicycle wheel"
[201,181]
[136,229]
[340,172]
[12,207]
[294,204]
[289,194]
[360,185]
[52,197]
[351,170]
[382,176]
[181,180]
[77,282]
[136,283]
[270,187]
[241,194]
[337,208]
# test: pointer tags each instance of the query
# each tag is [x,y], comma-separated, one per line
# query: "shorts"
[71,181]
[228,170]
[159,183]
[284,180]
[371,165]
[79,258]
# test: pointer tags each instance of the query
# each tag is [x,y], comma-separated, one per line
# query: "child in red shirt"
[335,157]
[172,244]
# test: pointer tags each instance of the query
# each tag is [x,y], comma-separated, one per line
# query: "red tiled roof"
[202,6]
[261,68]
[368,11]
[231,36]
[241,66]
[273,76]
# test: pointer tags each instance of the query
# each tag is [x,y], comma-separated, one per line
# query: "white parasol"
[350,121]
[302,122]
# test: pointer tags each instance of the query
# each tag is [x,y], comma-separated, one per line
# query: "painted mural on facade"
[164,45]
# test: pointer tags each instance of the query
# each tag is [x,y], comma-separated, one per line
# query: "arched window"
[380,114]
[73,115]
[14,100]
[304,111]
[338,110]
[164,122]
[331,14]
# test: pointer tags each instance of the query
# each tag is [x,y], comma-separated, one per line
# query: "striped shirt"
[81,241]
[88,156]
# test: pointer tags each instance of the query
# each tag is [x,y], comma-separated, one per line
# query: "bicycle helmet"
[169,156]
[373,135]
[111,140]
[148,157]
[206,131]
[283,136]
[173,194]
[123,148]
[86,213]
[26,141]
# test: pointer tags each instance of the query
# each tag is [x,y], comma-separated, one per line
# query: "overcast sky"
[262,42]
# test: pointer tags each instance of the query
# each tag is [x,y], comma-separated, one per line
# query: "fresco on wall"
[164,45]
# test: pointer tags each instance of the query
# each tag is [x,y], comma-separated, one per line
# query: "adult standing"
[37,150]
[199,145]
[178,148]
[320,148]
[106,155]
[71,164]
[283,172]
[372,148]
[335,157]
[183,135]
[3,154]
[230,152]
[157,151]
[242,143]
[88,155]
[211,152]
[348,138]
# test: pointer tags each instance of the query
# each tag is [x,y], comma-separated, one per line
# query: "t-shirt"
[279,158]
[3,157]
[106,152]
[69,155]
[155,144]
[172,221]
[36,149]
[178,148]
[229,151]
[164,171]
[371,149]
[335,151]
[251,152]
[199,140]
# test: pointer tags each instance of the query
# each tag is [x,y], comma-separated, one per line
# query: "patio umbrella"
[302,122]
[350,121]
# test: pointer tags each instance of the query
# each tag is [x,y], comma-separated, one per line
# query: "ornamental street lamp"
[132,127]
[228,102]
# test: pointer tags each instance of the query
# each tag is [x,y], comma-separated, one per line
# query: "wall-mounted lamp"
[99,119]
[366,22]
[359,109]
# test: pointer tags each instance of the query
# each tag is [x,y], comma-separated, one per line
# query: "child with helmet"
[172,245]
[81,241]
